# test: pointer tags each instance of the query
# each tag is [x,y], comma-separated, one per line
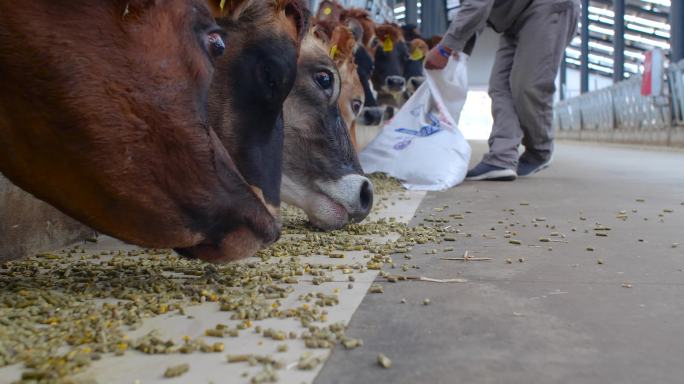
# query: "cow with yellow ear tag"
[329,11]
[414,72]
[391,57]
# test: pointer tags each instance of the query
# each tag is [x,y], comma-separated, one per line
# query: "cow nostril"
[277,236]
[366,196]
[396,81]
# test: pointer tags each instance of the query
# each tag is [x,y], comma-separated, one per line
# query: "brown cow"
[329,10]
[321,173]
[103,115]
[363,26]
[342,44]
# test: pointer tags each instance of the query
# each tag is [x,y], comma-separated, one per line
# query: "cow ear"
[221,8]
[132,8]
[344,39]
[215,7]
[298,13]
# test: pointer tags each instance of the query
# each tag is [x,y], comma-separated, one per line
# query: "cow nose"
[273,235]
[236,244]
[372,116]
[365,198]
[395,82]
[417,81]
[359,209]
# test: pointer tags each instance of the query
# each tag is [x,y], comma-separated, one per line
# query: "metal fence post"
[584,65]
[619,41]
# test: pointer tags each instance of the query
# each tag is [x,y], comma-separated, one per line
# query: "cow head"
[361,23]
[391,56]
[329,10]
[352,98]
[251,81]
[103,115]
[414,70]
[321,171]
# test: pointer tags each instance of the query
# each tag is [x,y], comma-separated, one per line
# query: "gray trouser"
[522,83]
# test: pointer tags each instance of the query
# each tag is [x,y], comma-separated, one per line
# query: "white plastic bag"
[422,145]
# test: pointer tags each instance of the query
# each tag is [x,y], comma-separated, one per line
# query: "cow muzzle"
[239,243]
[395,84]
[348,199]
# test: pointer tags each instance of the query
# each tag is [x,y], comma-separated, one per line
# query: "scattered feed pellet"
[177,370]
[384,361]
[114,291]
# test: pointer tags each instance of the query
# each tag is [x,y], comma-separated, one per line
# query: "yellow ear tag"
[327,11]
[222,5]
[333,51]
[417,55]
[388,45]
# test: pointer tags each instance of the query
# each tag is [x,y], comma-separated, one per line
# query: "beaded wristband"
[443,51]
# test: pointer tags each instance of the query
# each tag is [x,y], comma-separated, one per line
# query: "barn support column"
[619,42]
[677,29]
[433,18]
[584,65]
[412,12]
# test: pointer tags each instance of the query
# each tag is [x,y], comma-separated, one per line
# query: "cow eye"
[325,81]
[375,42]
[356,106]
[215,44]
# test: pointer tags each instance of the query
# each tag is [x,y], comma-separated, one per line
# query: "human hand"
[438,57]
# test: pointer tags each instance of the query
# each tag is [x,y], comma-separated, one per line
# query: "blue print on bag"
[427,130]
[402,144]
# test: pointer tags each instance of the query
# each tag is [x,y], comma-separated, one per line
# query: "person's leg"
[544,31]
[506,132]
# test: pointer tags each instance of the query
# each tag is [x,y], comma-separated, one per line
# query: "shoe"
[484,171]
[528,164]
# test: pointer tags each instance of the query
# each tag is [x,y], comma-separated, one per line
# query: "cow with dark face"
[246,96]
[103,115]
[391,57]
[322,174]
[414,71]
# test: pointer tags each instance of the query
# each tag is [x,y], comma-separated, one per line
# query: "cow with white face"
[321,170]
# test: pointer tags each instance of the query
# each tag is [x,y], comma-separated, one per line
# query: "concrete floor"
[564,314]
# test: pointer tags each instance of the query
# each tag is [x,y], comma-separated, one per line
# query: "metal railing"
[676,82]
[608,113]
